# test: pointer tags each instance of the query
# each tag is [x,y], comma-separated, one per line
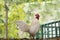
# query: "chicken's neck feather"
[34,21]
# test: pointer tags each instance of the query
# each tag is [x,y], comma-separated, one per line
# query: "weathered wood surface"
[56,38]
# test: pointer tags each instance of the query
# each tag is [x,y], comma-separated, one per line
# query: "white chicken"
[31,29]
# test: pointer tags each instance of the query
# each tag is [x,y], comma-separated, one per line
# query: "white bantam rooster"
[31,29]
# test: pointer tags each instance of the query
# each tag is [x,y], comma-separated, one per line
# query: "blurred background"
[12,10]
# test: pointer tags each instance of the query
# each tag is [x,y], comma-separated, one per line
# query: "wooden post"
[42,31]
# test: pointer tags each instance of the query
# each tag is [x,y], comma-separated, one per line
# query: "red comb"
[37,16]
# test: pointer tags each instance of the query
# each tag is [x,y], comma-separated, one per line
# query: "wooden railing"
[49,30]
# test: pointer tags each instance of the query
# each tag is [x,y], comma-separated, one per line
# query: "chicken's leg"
[31,37]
